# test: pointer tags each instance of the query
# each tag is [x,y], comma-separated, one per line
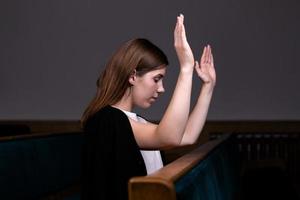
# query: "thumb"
[200,73]
[197,67]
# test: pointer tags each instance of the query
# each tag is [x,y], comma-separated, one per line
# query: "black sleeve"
[111,156]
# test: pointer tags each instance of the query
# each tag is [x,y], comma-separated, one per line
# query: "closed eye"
[158,78]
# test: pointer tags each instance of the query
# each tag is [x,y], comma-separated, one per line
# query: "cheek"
[151,90]
[145,88]
[148,87]
[142,95]
[141,98]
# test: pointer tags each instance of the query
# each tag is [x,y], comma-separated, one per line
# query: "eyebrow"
[159,75]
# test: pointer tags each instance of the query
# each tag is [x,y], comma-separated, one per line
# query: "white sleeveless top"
[152,158]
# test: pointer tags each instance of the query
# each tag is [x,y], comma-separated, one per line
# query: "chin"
[145,105]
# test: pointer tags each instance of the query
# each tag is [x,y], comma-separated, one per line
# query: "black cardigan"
[111,156]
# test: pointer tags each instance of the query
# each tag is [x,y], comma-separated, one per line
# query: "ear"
[132,78]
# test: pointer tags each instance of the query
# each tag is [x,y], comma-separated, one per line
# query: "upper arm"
[146,135]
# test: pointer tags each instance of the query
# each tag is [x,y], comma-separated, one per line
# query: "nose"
[160,88]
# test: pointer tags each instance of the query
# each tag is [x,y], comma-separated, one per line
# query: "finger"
[182,28]
[177,25]
[179,22]
[212,60]
[176,31]
[200,73]
[175,28]
[182,18]
[209,54]
[202,60]
[196,64]
[211,57]
[183,34]
[197,67]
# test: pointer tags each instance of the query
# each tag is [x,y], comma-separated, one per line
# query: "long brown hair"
[137,54]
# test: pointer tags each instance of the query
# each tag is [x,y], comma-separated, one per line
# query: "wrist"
[208,88]
[186,69]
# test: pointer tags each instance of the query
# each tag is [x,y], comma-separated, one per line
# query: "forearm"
[198,116]
[173,122]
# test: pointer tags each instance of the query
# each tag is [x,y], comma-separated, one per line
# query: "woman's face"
[148,87]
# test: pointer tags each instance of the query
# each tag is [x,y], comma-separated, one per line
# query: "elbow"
[190,143]
[187,141]
[172,143]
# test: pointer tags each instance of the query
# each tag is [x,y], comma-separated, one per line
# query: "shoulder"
[107,115]
[110,126]
[109,112]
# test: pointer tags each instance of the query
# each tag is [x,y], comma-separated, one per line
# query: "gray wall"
[53,50]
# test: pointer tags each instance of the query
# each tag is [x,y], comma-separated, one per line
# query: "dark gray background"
[53,50]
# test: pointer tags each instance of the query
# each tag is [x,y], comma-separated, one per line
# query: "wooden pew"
[41,166]
[14,129]
[188,177]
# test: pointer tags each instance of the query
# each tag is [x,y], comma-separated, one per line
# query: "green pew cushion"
[31,168]
[215,177]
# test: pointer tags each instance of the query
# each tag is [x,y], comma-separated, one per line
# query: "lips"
[153,99]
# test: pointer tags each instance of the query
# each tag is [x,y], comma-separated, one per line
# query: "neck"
[125,103]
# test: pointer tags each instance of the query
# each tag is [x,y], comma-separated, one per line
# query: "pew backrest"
[34,166]
[208,172]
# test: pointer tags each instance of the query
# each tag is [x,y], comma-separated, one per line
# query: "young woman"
[120,144]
